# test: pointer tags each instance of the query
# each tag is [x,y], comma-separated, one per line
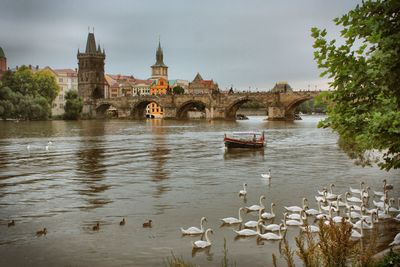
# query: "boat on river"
[245,140]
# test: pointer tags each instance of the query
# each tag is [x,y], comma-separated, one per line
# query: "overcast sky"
[247,43]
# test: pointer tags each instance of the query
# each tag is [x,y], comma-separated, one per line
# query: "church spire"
[159,55]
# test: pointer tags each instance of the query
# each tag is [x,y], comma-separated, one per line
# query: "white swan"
[272,236]
[391,203]
[310,228]
[396,240]
[256,207]
[355,234]
[353,214]
[363,224]
[202,243]
[357,191]
[352,199]
[273,227]
[314,212]
[295,222]
[331,195]
[266,175]
[232,220]
[269,215]
[296,208]
[252,224]
[244,191]
[249,232]
[194,230]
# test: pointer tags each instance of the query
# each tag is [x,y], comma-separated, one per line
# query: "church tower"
[159,69]
[3,62]
[91,71]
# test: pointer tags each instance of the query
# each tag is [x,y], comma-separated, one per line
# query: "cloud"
[244,43]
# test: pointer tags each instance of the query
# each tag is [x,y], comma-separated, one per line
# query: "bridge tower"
[91,73]
[159,69]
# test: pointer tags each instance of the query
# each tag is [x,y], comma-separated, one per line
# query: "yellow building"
[158,87]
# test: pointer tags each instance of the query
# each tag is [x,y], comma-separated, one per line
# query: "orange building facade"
[158,87]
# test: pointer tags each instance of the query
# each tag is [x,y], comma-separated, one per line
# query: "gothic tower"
[3,62]
[91,71]
[159,69]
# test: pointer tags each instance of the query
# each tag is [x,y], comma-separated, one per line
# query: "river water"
[172,172]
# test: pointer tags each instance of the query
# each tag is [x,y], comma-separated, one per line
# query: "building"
[142,87]
[182,83]
[3,62]
[122,85]
[200,86]
[91,81]
[282,87]
[159,69]
[67,80]
[158,87]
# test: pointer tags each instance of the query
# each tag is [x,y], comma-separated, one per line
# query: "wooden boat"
[245,140]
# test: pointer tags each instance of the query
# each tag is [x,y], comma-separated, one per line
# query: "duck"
[96,227]
[147,224]
[272,236]
[232,220]
[249,232]
[269,215]
[266,175]
[12,223]
[201,243]
[194,230]
[396,240]
[252,224]
[273,227]
[244,191]
[357,191]
[296,208]
[256,207]
[122,222]
[41,232]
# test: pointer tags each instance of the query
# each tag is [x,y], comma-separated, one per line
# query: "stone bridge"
[280,106]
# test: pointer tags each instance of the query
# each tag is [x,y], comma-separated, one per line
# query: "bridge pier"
[279,113]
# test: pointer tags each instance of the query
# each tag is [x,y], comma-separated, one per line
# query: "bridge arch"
[232,108]
[103,108]
[289,112]
[183,109]
[138,110]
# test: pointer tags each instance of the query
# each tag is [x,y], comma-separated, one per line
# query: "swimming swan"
[194,230]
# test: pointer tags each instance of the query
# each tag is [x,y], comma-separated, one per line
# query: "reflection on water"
[172,172]
[91,169]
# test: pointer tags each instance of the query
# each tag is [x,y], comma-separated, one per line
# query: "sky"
[247,44]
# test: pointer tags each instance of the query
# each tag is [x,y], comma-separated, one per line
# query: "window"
[61,105]
[60,80]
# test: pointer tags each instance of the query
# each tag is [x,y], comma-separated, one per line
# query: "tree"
[73,105]
[46,85]
[178,90]
[364,105]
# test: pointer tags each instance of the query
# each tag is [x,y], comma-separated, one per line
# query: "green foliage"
[364,107]
[73,105]
[47,85]
[391,259]
[177,262]
[252,104]
[315,105]
[178,90]
[26,95]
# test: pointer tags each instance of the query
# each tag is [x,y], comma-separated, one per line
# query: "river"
[172,172]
